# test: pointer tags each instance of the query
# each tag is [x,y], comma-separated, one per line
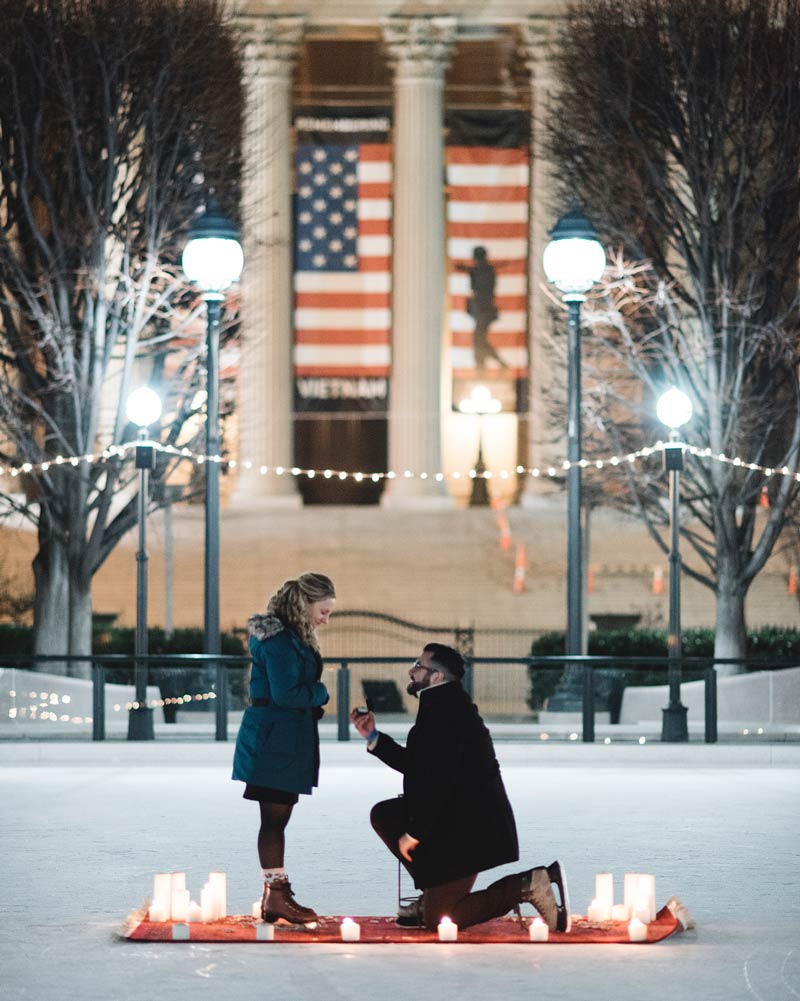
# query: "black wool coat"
[453,793]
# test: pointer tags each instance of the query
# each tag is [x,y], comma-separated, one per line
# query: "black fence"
[225,682]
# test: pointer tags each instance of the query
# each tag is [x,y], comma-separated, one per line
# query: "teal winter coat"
[278,742]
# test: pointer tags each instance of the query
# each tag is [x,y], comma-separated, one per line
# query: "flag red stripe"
[345,371]
[374,189]
[513,266]
[374,264]
[488,230]
[504,302]
[500,339]
[342,336]
[342,300]
[375,152]
[485,154]
[469,373]
[487,193]
[373,227]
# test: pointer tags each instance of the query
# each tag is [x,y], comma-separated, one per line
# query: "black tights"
[271,840]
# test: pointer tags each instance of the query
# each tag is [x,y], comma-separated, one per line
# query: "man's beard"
[415,687]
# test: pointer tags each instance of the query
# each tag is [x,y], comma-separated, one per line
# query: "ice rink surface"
[84,828]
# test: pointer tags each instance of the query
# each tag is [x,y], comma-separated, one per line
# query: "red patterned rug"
[378,930]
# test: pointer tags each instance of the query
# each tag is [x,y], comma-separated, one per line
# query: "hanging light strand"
[551,471]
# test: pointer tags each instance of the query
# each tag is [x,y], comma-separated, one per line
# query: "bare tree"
[677,124]
[116,119]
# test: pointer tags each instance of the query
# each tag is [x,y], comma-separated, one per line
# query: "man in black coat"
[454,819]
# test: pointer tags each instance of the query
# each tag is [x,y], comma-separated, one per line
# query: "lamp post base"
[140,724]
[674,727]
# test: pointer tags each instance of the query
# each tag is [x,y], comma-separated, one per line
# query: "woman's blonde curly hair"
[293,596]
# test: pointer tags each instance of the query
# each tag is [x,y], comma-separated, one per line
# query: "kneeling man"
[454,819]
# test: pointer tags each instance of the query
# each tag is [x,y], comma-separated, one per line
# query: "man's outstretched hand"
[363,722]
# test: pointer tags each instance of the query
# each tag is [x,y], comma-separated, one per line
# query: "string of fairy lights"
[52,707]
[359,476]
[44,707]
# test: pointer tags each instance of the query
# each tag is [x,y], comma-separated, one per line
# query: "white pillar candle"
[646,889]
[619,912]
[637,931]
[162,892]
[631,885]
[598,912]
[218,883]
[538,930]
[194,912]
[351,931]
[180,932]
[256,912]
[604,889]
[208,902]
[180,905]
[641,909]
[177,881]
[448,930]
[265,932]
[157,912]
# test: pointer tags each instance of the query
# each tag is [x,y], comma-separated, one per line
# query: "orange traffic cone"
[658,581]
[505,532]
[520,566]
[763,499]
[791,586]
[590,580]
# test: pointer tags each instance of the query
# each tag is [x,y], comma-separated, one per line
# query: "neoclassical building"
[361,364]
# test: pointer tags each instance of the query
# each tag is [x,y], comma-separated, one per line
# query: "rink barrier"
[222,667]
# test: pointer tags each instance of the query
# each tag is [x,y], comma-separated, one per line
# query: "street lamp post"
[573,261]
[213,260]
[674,409]
[143,408]
[480,402]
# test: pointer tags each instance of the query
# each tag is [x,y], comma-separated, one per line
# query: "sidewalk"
[85,826]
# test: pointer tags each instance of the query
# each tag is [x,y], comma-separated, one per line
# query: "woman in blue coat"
[277,749]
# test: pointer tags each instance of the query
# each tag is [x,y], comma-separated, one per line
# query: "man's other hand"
[406,846]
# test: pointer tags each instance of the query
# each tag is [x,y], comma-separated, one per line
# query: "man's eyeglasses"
[421,667]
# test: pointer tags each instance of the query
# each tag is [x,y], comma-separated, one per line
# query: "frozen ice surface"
[84,827]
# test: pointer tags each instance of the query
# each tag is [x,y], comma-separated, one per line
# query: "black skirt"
[264,794]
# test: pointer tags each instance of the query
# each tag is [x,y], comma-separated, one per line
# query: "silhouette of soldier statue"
[481,306]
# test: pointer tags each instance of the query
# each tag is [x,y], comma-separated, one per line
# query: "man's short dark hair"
[449,660]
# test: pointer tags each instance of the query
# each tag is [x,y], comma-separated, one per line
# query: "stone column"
[420,49]
[537,34]
[265,371]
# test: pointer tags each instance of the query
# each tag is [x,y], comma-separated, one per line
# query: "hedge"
[764,641]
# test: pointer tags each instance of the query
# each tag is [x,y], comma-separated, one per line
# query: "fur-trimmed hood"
[264,626]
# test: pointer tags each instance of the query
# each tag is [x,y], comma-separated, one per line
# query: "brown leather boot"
[278,904]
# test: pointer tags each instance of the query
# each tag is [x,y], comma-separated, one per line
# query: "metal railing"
[224,666]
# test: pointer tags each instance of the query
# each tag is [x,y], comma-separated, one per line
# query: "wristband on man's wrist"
[373,735]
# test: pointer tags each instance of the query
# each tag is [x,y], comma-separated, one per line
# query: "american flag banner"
[488,172]
[343,262]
